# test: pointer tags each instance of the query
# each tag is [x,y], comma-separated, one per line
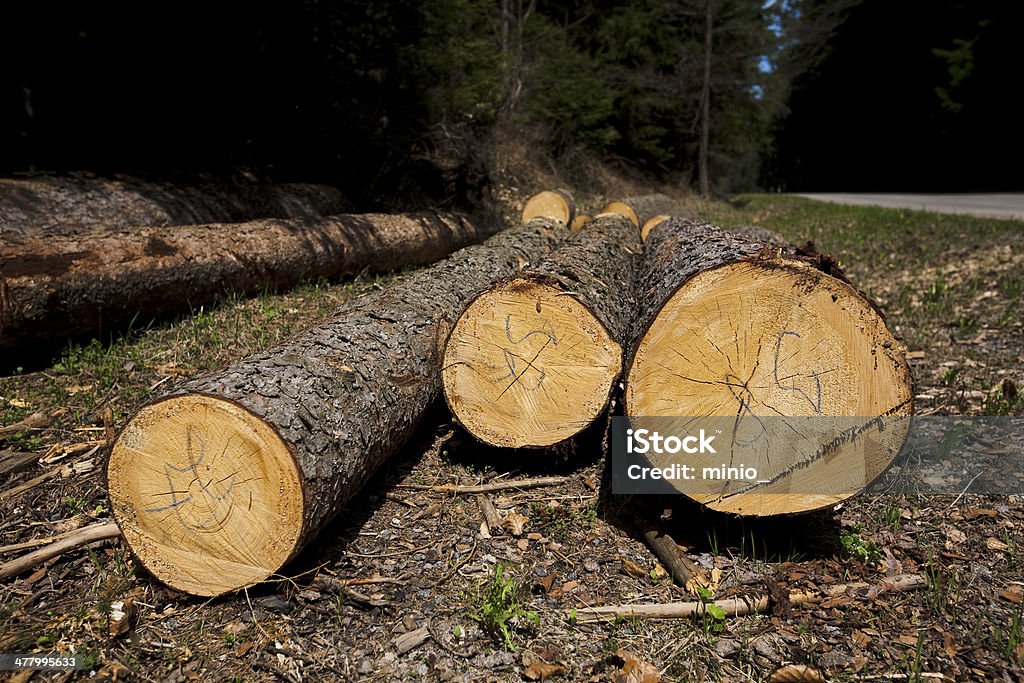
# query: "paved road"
[1009,205]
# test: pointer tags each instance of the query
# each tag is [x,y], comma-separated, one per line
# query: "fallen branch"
[667,551]
[12,462]
[34,421]
[487,488]
[741,606]
[90,534]
[492,521]
[43,541]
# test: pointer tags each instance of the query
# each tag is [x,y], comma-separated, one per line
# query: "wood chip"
[539,671]
[410,640]
[796,673]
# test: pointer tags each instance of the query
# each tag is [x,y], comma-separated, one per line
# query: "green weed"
[499,611]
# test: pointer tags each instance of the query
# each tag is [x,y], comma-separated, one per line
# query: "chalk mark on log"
[212,499]
[816,405]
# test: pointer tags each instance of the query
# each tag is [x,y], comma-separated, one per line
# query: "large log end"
[208,495]
[767,337]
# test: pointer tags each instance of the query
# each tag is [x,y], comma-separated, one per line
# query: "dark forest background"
[403,100]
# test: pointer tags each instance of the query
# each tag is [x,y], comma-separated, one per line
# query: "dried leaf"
[947,644]
[515,523]
[544,583]
[634,670]
[796,673]
[631,568]
[701,579]
[539,671]
[994,543]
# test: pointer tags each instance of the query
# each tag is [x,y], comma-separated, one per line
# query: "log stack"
[219,483]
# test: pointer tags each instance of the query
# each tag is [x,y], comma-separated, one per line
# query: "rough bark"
[49,205]
[525,366]
[758,333]
[596,266]
[343,398]
[55,286]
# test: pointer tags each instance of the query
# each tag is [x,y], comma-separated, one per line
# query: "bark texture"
[61,205]
[345,396]
[67,284]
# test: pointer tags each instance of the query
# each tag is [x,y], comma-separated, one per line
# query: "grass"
[497,606]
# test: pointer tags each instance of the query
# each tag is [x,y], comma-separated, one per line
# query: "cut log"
[650,224]
[218,484]
[757,334]
[57,286]
[532,361]
[646,207]
[49,205]
[554,204]
[580,221]
[620,209]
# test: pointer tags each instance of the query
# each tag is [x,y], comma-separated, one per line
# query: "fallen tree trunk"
[49,205]
[533,359]
[55,286]
[796,364]
[217,485]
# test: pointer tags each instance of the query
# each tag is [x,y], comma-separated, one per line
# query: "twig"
[90,534]
[745,605]
[66,470]
[957,499]
[487,488]
[666,550]
[43,541]
[397,553]
[491,519]
[334,583]
[34,421]
[903,677]
[35,481]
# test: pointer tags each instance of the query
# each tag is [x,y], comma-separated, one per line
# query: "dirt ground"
[434,598]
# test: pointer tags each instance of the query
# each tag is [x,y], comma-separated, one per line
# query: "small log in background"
[63,285]
[49,205]
[217,485]
[753,332]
